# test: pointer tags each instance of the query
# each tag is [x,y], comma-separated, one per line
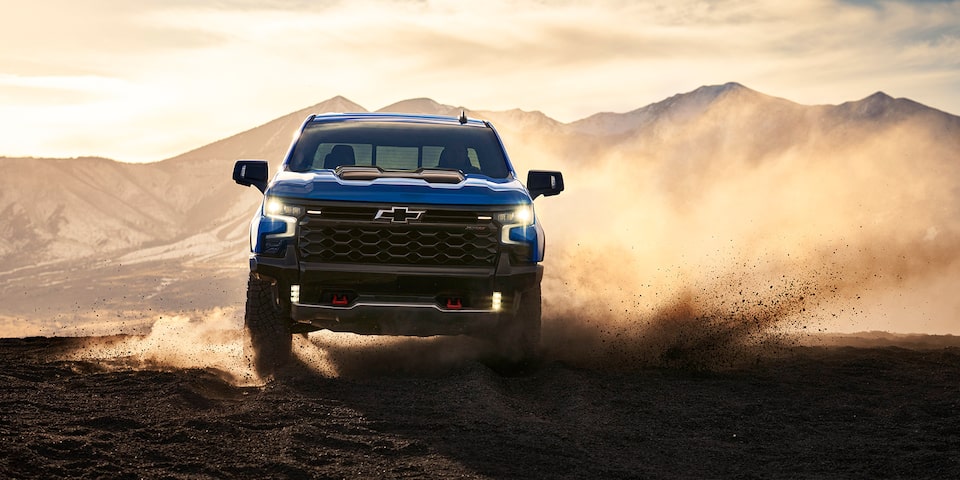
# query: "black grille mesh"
[398,244]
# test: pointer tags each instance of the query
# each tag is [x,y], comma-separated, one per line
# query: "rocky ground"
[810,412]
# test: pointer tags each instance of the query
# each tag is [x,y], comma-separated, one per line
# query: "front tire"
[518,335]
[267,325]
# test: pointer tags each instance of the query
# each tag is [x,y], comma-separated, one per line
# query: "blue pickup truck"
[390,224]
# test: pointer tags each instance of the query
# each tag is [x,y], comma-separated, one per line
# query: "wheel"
[518,334]
[267,326]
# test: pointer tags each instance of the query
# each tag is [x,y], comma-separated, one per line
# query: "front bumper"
[382,318]
[397,300]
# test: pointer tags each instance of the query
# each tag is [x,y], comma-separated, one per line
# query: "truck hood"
[325,185]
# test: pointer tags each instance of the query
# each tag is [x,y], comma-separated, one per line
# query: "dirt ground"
[810,412]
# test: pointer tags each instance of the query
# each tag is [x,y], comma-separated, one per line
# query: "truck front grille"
[452,239]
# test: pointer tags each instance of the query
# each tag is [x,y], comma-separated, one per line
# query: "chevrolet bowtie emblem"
[399,214]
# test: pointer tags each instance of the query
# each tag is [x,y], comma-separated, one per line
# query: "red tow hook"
[340,300]
[454,304]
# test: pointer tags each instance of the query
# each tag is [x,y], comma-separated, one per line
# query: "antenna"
[463,117]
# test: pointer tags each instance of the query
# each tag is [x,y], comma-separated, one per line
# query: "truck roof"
[396,118]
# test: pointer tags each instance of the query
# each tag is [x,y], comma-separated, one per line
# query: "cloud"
[568,59]
[55,90]
[62,37]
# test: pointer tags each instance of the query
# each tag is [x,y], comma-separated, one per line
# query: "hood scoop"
[430,175]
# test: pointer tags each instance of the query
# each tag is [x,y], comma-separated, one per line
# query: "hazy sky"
[146,80]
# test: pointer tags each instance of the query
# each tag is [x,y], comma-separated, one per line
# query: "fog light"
[497,299]
[294,293]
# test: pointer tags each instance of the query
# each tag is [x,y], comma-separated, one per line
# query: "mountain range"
[177,229]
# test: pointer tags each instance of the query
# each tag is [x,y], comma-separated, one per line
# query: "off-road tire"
[518,334]
[267,326]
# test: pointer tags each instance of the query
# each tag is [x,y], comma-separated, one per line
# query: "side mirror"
[251,172]
[543,182]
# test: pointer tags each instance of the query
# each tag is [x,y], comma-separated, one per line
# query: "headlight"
[521,216]
[273,231]
[277,207]
[517,225]
[279,219]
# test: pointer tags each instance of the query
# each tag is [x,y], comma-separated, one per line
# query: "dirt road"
[841,412]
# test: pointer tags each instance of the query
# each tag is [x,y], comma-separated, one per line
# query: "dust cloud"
[215,342]
[697,252]
[212,341]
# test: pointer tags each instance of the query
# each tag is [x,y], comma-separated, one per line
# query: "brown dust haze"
[750,220]
[691,230]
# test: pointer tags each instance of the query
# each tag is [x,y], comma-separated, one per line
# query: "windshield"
[399,146]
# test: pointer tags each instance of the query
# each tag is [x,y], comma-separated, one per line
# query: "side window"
[431,156]
[363,154]
[397,158]
[491,162]
[474,159]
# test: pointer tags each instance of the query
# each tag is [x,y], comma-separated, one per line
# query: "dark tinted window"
[399,146]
